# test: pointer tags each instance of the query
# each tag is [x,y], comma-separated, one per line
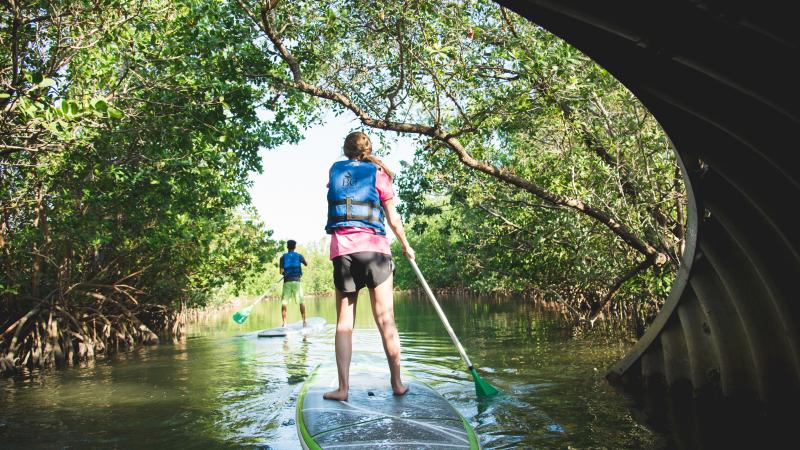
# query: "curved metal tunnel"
[720,365]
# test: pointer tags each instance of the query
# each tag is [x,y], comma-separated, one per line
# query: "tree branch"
[614,290]
[454,145]
[506,220]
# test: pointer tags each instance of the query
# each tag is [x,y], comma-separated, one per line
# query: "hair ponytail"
[357,146]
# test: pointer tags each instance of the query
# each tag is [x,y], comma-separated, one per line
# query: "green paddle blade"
[242,315]
[482,388]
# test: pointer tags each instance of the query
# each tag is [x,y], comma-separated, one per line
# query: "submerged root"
[59,335]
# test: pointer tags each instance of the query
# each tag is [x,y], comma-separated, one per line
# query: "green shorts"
[292,290]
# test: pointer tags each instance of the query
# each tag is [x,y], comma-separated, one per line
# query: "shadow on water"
[226,388]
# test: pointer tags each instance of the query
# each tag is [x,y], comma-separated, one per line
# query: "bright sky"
[290,194]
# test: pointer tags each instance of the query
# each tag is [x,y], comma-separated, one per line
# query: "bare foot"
[304,324]
[402,389]
[284,325]
[336,395]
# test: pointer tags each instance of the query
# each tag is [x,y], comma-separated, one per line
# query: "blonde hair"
[357,146]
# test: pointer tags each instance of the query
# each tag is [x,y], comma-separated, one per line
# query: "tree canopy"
[128,129]
[127,132]
[535,169]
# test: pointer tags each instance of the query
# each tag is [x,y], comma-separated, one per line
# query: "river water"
[224,387]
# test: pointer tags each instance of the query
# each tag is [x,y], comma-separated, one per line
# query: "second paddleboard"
[313,324]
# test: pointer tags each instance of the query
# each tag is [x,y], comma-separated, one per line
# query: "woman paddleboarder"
[360,196]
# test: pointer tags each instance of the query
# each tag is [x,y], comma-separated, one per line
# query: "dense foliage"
[536,168]
[127,130]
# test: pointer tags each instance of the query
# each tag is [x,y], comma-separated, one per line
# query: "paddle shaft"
[439,311]
[265,295]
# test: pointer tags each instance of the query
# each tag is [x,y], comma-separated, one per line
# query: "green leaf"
[115,113]
[100,105]
[47,82]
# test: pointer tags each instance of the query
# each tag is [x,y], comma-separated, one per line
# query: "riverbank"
[618,321]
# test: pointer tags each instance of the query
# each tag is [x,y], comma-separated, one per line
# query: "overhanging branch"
[299,83]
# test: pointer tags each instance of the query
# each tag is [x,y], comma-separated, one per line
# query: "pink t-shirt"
[347,240]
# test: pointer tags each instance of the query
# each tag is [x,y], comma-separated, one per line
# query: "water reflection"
[226,388]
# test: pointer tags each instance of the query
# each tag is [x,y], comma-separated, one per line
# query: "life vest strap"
[370,218]
[350,201]
[375,210]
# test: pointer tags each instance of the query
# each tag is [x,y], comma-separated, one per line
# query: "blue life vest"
[291,265]
[353,200]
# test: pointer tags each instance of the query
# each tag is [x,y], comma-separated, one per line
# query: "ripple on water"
[226,388]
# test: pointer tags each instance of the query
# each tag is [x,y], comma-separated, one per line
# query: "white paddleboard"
[313,324]
[373,418]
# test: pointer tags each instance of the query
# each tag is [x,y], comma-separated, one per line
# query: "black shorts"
[356,270]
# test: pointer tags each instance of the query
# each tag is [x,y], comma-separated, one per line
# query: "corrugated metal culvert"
[720,366]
